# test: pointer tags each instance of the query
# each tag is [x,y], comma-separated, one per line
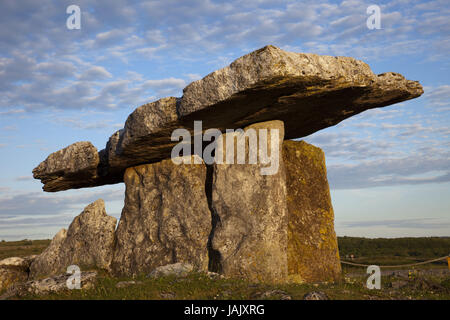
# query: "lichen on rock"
[312,254]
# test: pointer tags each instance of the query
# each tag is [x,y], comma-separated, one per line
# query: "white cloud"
[51,204]
[10,128]
[439,96]
[390,171]
[164,83]
[131,53]
[45,57]
[415,223]
[12,112]
[95,73]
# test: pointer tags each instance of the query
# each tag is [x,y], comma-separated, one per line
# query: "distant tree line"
[429,247]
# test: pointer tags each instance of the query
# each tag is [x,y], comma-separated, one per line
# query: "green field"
[395,251]
[22,248]
[431,281]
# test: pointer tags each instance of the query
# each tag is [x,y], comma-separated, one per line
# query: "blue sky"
[389,168]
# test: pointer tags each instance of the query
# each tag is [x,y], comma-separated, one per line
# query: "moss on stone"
[313,254]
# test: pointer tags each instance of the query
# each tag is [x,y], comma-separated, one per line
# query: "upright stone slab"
[250,237]
[87,243]
[312,254]
[165,219]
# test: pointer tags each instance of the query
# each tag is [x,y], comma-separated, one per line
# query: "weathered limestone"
[18,262]
[13,270]
[308,92]
[177,269]
[165,219]
[251,231]
[48,285]
[87,243]
[72,167]
[312,251]
[11,275]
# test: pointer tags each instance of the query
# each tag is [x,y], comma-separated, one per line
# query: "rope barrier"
[397,266]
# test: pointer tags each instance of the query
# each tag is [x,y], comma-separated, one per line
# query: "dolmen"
[215,178]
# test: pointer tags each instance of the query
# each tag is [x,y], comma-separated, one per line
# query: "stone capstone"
[308,92]
[72,167]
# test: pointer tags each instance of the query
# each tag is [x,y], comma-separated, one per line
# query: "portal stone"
[165,219]
[312,251]
[251,232]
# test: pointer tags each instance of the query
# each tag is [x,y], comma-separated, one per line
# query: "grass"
[200,287]
[396,249]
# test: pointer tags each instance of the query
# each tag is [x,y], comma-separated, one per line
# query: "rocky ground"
[179,282]
[210,287]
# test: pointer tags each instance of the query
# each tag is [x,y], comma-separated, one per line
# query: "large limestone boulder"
[48,262]
[312,251]
[165,219]
[250,237]
[88,242]
[11,275]
[308,92]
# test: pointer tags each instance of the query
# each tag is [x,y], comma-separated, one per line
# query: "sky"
[388,168]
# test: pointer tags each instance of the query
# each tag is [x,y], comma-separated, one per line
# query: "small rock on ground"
[271,294]
[125,284]
[167,295]
[315,295]
[14,270]
[214,275]
[177,269]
